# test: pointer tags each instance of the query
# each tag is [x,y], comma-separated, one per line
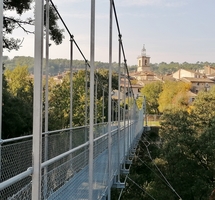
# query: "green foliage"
[151,92]
[17,109]
[174,94]
[56,66]
[165,68]
[54,31]
[204,108]
[185,149]
[17,79]
[184,152]
[59,99]
[10,23]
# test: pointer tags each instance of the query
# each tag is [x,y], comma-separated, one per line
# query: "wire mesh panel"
[67,177]
[15,159]
[23,194]
[55,182]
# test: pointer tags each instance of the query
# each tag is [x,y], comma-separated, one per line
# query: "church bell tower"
[143,61]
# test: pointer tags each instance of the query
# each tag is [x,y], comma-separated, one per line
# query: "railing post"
[103,105]
[92,74]
[119,98]
[103,110]
[124,117]
[37,106]
[86,110]
[145,110]
[46,99]
[71,90]
[109,101]
[112,109]
[96,90]
[1,75]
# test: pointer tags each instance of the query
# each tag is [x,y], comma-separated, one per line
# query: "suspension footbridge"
[75,162]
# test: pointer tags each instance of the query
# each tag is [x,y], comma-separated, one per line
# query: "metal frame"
[113,161]
[1,73]
[92,68]
[109,101]
[37,105]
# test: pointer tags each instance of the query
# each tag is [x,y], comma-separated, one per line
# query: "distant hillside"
[56,65]
[61,65]
[164,68]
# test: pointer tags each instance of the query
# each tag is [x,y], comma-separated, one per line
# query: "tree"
[60,102]
[183,153]
[151,92]
[203,109]
[174,94]
[17,109]
[18,79]
[12,22]
[184,150]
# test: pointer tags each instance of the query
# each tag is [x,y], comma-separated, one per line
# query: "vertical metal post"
[119,98]
[71,89]
[47,66]
[46,98]
[109,101]
[129,110]
[92,74]
[133,132]
[103,105]
[145,111]
[1,74]
[86,95]
[112,109]
[128,116]
[103,110]
[96,89]
[124,117]
[37,106]
[86,110]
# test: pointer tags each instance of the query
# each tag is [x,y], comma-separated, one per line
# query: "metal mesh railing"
[68,175]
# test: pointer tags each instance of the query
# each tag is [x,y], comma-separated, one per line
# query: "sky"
[171,30]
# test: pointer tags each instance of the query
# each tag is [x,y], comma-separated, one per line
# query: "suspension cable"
[86,61]
[170,186]
[123,51]
[153,171]
[141,188]
[71,36]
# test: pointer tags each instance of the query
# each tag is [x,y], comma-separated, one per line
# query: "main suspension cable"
[71,36]
[123,51]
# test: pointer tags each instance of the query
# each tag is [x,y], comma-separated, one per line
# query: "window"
[197,83]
